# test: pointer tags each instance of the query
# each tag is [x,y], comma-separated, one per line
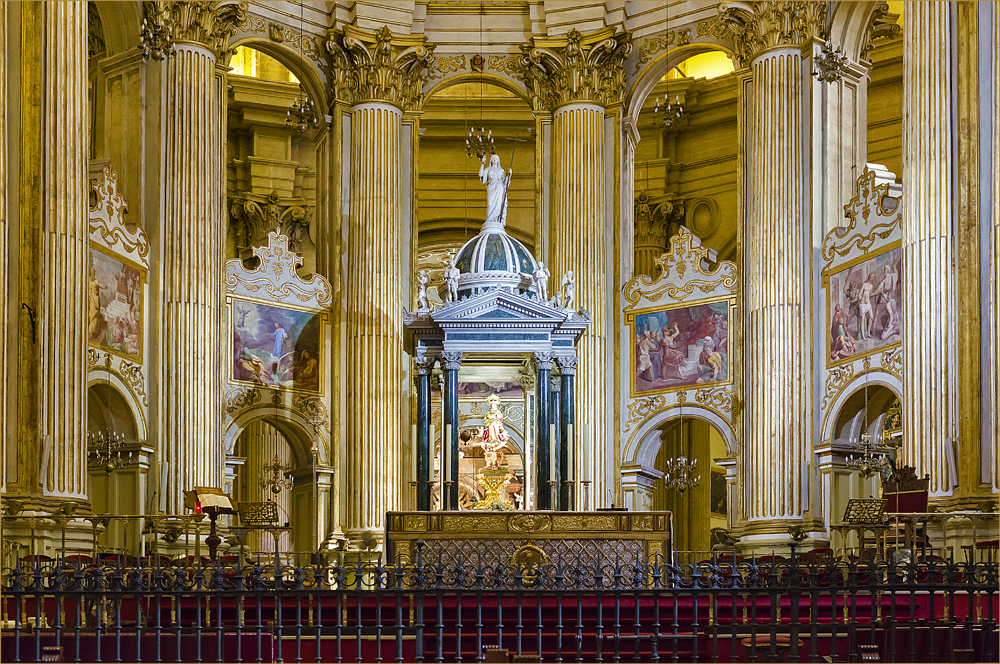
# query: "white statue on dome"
[568,290]
[496,190]
[451,275]
[541,279]
[422,281]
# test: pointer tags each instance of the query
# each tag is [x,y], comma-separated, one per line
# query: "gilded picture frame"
[116,289]
[666,355]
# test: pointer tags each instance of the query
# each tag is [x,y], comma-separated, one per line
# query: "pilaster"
[929,358]
[994,309]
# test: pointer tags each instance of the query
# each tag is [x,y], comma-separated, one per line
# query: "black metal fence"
[619,611]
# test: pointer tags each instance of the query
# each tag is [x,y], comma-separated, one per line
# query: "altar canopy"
[497,313]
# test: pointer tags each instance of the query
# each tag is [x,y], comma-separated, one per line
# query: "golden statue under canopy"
[495,476]
[493,437]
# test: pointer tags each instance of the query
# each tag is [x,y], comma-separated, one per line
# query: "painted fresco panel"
[276,345]
[114,304]
[677,347]
[865,307]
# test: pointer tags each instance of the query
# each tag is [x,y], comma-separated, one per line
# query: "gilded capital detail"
[759,26]
[575,68]
[378,66]
[206,22]
[451,360]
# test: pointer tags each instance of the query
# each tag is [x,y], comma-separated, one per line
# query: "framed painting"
[279,346]
[864,307]
[114,303]
[679,346]
[718,494]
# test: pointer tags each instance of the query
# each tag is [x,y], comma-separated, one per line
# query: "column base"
[772,537]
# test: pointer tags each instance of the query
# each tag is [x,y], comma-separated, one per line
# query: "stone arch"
[658,68]
[849,25]
[456,78]
[313,81]
[98,377]
[875,378]
[642,447]
[291,423]
[122,23]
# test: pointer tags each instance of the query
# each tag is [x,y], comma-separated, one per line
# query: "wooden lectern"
[213,502]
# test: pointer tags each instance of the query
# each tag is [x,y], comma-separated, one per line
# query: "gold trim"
[630,323]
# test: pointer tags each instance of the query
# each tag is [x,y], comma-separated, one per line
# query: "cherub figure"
[493,437]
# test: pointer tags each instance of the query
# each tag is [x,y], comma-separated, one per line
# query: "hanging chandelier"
[869,462]
[106,447]
[480,143]
[302,114]
[670,115]
[156,40]
[678,474]
[831,63]
[279,477]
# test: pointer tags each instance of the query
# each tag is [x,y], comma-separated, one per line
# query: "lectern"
[213,501]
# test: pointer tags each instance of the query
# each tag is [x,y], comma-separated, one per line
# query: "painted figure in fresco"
[654,354]
[496,189]
[867,312]
[671,358]
[451,275]
[305,372]
[885,295]
[94,300]
[541,279]
[279,335]
[493,437]
[645,364]
[710,361]
[841,343]
[852,293]
[422,281]
[253,368]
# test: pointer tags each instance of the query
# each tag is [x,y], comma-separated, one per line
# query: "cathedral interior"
[303,280]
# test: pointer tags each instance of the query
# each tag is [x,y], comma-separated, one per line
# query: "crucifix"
[506,187]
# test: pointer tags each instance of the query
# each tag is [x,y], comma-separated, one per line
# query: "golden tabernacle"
[519,538]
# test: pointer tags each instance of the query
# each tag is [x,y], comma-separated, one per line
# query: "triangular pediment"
[500,306]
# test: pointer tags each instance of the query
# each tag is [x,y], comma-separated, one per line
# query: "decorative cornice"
[574,68]
[107,223]
[209,23]
[881,23]
[756,27]
[875,215]
[684,270]
[314,411]
[251,219]
[239,398]
[277,275]
[378,66]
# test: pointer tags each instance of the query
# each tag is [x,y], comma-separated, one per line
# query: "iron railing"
[560,611]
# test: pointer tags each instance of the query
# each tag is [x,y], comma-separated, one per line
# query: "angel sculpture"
[493,437]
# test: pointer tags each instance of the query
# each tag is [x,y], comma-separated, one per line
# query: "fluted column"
[929,394]
[422,378]
[4,247]
[190,271]
[995,300]
[771,38]
[543,369]
[374,317]
[61,267]
[586,75]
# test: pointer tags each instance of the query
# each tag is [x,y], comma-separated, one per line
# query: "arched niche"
[697,509]
[122,23]
[111,402]
[850,401]
[489,79]
[643,445]
[308,73]
[292,424]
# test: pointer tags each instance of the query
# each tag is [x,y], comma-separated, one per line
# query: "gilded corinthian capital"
[758,26]
[575,68]
[210,23]
[378,66]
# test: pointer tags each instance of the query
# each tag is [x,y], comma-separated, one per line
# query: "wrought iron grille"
[751,610]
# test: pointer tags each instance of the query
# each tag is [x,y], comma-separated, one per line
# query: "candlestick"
[447,452]
[552,447]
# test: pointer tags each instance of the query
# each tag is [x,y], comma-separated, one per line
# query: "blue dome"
[493,260]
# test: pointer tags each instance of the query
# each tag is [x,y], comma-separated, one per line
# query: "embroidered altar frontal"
[529,538]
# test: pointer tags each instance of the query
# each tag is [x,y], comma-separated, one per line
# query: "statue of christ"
[496,190]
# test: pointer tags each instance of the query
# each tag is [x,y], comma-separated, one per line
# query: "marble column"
[422,379]
[4,250]
[929,363]
[555,441]
[567,432]
[50,323]
[451,362]
[777,241]
[543,368]
[190,264]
